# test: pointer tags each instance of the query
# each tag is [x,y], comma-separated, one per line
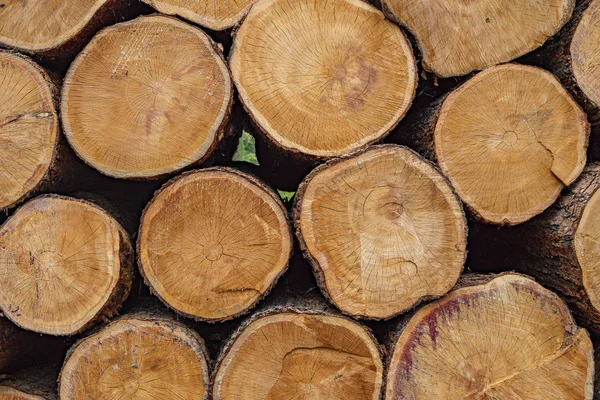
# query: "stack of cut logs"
[149,249]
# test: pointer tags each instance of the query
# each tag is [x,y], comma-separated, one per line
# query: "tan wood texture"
[146,98]
[323,77]
[383,230]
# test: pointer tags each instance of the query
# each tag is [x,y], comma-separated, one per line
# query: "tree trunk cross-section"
[508,338]
[146,98]
[460,36]
[64,264]
[28,127]
[509,140]
[323,77]
[137,357]
[213,14]
[289,355]
[585,53]
[382,229]
[39,25]
[213,242]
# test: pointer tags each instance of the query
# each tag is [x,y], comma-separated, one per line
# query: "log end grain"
[507,338]
[585,53]
[323,78]
[509,140]
[213,242]
[137,357]
[458,36]
[382,229]
[146,98]
[64,264]
[35,26]
[217,15]
[297,355]
[587,248]
[28,127]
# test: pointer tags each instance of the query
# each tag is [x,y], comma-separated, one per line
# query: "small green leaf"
[286,196]
[246,150]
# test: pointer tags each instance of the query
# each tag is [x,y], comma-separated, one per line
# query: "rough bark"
[549,254]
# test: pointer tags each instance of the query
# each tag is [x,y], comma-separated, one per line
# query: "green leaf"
[286,196]
[246,150]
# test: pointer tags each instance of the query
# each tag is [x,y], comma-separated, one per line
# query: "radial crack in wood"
[213,242]
[28,127]
[291,355]
[323,77]
[509,140]
[460,36]
[40,25]
[213,14]
[382,229]
[137,357]
[508,338]
[585,53]
[64,264]
[146,98]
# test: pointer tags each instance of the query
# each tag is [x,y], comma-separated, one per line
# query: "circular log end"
[36,26]
[61,265]
[323,78]
[587,248]
[28,127]
[585,53]
[383,230]
[460,36]
[506,338]
[509,140]
[213,242]
[217,15]
[292,355]
[146,98]
[137,358]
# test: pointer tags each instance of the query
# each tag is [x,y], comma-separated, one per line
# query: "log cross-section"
[504,338]
[213,14]
[213,242]
[64,264]
[291,355]
[509,140]
[585,53]
[323,77]
[383,230]
[460,36]
[140,356]
[146,98]
[28,127]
